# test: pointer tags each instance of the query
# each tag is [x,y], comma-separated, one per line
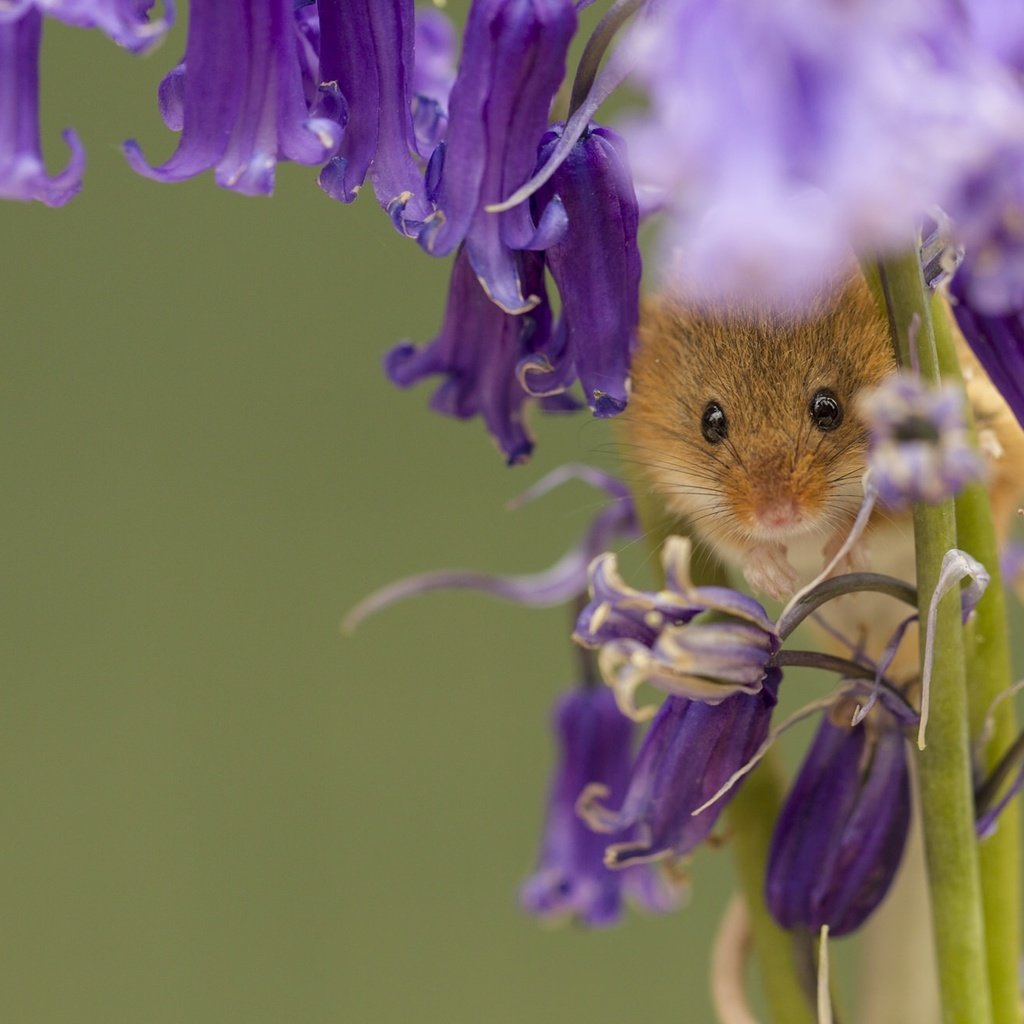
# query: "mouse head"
[748,424]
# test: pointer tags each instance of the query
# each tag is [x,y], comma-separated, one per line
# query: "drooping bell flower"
[513,61]
[477,351]
[571,879]
[127,22]
[432,77]
[238,97]
[840,835]
[22,173]
[366,66]
[690,752]
[919,448]
[596,266]
[660,638]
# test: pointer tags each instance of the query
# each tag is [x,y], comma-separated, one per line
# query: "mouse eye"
[826,412]
[713,424]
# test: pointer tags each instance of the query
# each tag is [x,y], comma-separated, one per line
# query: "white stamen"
[728,961]
[824,997]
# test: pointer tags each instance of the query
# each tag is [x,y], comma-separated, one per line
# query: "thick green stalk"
[781,955]
[944,766]
[988,674]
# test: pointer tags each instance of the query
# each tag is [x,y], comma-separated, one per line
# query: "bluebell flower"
[126,22]
[432,78]
[238,99]
[657,638]
[477,352]
[841,832]
[596,265]
[690,751]
[366,65]
[513,61]
[571,880]
[919,448]
[784,135]
[22,173]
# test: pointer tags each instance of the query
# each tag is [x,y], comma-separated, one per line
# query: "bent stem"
[944,766]
[989,672]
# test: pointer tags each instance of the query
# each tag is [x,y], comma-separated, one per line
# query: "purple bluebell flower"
[571,880]
[22,174]
[238,96]
[784,135]
[919,448]
[656,637]
[432,77]
[477,351]
[513,61]
[690,751]
[596,266]
[127,22]
[366,65]
[841,832]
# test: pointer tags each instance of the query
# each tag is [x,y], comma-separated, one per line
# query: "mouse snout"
[778,513]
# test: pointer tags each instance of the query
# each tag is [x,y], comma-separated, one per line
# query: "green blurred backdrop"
[217,808]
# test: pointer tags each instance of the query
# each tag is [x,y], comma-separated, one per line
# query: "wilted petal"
[596,266]
[513,60]
[22,174]
[127,22]
[242,105]
[571,880]
[477,352]
[841,832]
[691,750]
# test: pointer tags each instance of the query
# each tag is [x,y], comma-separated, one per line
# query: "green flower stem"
[944,766]
[989,672]
[786,960]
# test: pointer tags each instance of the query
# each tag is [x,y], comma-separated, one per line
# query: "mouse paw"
[857,559]
[768,570]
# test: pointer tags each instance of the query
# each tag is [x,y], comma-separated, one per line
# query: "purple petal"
[125,21]
[840,835]
[513,60]
[596,264]
[22,173]
[571,879]
[243,104]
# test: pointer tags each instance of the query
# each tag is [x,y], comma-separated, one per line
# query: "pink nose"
[779,514]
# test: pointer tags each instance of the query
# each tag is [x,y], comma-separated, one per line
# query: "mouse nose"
[779,514]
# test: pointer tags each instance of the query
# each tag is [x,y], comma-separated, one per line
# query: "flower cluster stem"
[751,817]
[989,671]
[944,766]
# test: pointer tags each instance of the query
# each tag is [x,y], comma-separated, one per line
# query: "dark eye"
[713,424]
[826,412]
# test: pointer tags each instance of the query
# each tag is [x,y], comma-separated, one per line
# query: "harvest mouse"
[747,425]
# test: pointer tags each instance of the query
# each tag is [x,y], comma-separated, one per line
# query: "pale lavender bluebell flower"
[656,637]
[840,835]
[513,61]
[690,751]
[785,135]
[22,173]
[596,266]
[919,448]
[126,22]
[239,99]
[432,77]
[571,880]
[477,351]
[366,65]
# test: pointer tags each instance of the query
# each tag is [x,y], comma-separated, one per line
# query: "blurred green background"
[217,808]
